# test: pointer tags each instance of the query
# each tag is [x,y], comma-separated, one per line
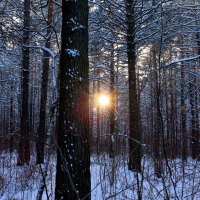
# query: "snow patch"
[73,52]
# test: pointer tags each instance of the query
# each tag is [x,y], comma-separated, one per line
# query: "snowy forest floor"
[110,179]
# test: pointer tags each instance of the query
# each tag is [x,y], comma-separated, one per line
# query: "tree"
[112,103]
[43,99]
[134,127]
[24,145]
[73,153]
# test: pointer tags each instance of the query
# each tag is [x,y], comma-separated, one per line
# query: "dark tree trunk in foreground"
[41,132]
[134,140]
[24,145]
[73,153]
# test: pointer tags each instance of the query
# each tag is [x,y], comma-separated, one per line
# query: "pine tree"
[73,153]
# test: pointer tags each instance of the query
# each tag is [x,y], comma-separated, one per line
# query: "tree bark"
[41,132]
[11,120]
[24,144]
[112,103]
[73,153]
[134,139]
[98,117]
[183,115]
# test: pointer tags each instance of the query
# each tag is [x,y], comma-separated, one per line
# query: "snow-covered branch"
[169,65]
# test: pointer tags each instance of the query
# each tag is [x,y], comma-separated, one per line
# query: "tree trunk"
[172,116]
[183,115]
[24,144]
[157,145]
[11,120]
[112,103]
[73,153]
[92,108]
[98,117]
[194,132]
[41,132]
[134,139]
[31,110]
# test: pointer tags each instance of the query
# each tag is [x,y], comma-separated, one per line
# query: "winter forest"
[99,99]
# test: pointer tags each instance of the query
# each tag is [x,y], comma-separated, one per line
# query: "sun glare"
[104,100]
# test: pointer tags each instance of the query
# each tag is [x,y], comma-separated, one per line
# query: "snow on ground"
[110,179]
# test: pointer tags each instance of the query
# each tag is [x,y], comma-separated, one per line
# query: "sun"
[103,100]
